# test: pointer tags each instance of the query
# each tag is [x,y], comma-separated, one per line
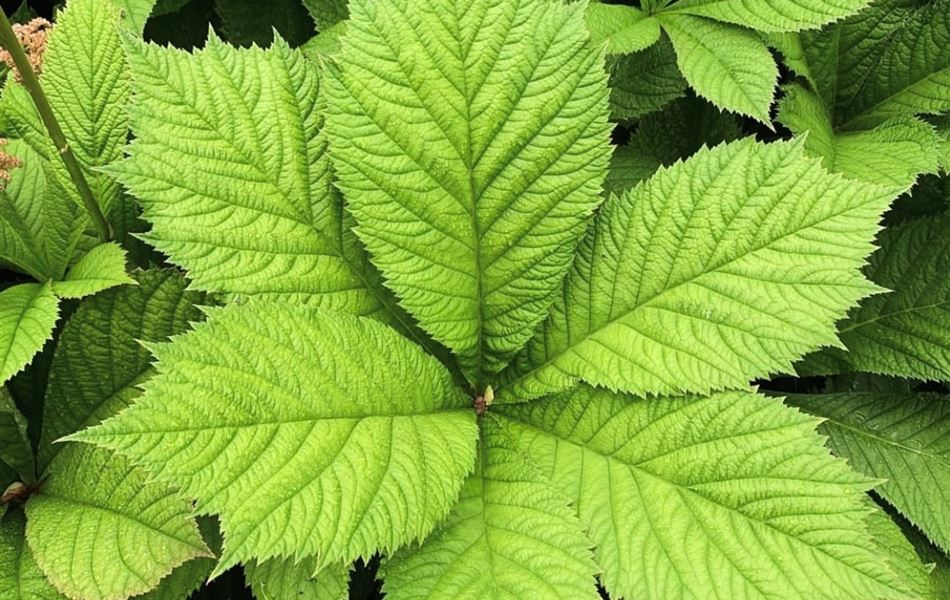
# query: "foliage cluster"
[489,299]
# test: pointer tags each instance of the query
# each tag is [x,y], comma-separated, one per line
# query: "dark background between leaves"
[185,23]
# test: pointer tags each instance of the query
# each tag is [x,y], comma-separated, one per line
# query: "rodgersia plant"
[396,295]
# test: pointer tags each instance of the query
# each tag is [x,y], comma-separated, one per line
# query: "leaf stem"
[9,40]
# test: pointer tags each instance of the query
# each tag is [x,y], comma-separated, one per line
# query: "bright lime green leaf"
[623,28]
[905,333]
[134,13]
[100,530]
[510,536]
[28,313]
[901,556]
[895,152]
[283,580]
[672,134]
[99,362]
[301,461]
[254,212]
[99,269]
[903,439]
[327,13]
[15,449]
[38,229]
[729,66]
[732,496]
[20,577]
[474,174]
[715,271]
[86,78]
[644,82]
[773,15]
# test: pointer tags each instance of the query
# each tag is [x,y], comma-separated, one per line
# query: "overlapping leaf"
[731,496]
[254,212]
[28,313]
[101,531]
[902,439]
[282,579]
[470,139]
[715,271]
[510,536]
[20,577]
[361,446]
[905,332]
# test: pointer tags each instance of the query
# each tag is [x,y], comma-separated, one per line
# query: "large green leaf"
[902,439]
[773,15]
[726,64]
[100,362]
[309,432]
[471,158]
[718,270]
[28,313]
[906,332]
[901,556]
[731,496]
[510,536]
[254,212]
[38,229]
[100,530]
[20,577]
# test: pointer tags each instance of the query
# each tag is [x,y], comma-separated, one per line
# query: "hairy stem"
[9,40]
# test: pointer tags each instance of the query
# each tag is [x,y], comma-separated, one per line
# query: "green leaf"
[134,13]
[731,496]
[100,530]
[190,576]
[325,44]
[511,535]
[20,577]
[100,362]
[28,313]
[301,461]
[901,556]
[729,66]
[255,212]
[894,153]
[890,60]
[715,271]
[99,269]
[327,13]
[86,79]
[473,175]
[623,28]
[675,133]
[905,333]
[773,15]
[15,449]
[903,439]
[38,230]
[284,580]
[644,82]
